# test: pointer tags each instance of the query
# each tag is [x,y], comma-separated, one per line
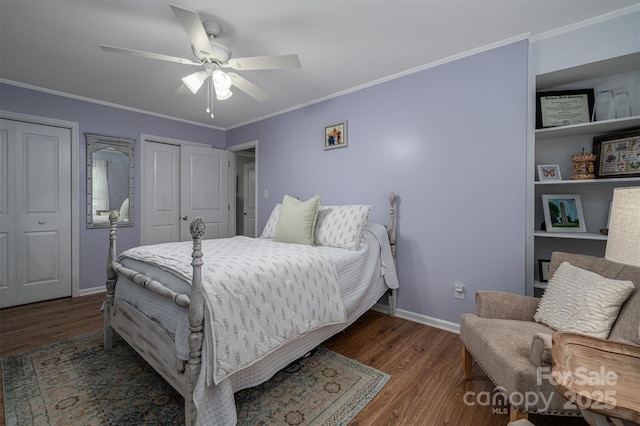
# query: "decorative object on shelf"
[549,172]
[618,154]
[605,108]
[335,135]
[543,269]
[623,108]
[624,227]
[563,213]
[564,107]
[583,168]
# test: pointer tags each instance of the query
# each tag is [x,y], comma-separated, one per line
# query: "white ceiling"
[53,44]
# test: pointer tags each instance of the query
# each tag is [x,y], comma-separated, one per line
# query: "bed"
[217,316]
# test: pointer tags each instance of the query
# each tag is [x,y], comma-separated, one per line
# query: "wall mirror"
[109,180]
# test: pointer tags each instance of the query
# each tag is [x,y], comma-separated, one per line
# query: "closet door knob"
[41,222]
[185,217]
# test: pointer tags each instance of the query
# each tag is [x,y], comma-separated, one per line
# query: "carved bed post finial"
[196,317]
[112,276]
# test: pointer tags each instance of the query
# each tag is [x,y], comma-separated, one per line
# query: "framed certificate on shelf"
[564,107]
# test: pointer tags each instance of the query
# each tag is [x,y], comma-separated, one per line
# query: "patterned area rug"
[76,382]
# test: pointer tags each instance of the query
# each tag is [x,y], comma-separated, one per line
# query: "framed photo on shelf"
[563,213]
[335,135]
[618,154]
[543,270]
[564,107]
[549,172]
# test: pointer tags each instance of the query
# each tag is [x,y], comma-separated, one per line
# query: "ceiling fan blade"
[148,55]
[264,62]
[192,24]
[248,87]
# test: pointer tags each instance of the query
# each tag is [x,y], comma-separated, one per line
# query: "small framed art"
[549,172]
[543,270]
[563,213]
[618,154]
[335,135]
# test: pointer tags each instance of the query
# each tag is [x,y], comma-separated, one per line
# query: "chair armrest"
[501,305]
[540,353]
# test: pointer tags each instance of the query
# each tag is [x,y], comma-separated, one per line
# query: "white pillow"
[269,229]
[582,301]
[341,226]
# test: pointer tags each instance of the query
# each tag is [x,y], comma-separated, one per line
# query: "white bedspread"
[259,294]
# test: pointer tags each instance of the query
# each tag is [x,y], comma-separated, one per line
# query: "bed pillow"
[269,229]
[582,301]
[341,226]
[297,221]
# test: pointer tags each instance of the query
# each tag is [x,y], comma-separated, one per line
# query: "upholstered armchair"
[514,349]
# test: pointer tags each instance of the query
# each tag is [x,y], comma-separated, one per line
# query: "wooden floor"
[426,387]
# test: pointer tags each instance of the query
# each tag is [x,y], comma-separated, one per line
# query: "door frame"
[232,183]
[74,128]
[146,138]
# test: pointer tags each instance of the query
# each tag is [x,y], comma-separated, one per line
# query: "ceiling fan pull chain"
[211,96]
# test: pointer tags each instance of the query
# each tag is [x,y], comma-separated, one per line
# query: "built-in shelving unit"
[556,145]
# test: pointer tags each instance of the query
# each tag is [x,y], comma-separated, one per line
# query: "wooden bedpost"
[392,242]
[196,319]
[107,312]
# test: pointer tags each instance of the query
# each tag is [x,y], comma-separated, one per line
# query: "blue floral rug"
[76,382]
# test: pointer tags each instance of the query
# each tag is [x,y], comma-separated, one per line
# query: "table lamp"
[623,242]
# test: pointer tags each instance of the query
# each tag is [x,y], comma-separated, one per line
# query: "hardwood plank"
[426,388]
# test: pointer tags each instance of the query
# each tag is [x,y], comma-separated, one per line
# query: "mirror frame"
[96,143]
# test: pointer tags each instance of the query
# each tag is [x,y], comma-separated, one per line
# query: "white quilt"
[258,295]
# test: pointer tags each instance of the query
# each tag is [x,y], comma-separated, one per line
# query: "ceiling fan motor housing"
[221,53]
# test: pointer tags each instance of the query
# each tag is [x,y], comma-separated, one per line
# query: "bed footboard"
[143,334]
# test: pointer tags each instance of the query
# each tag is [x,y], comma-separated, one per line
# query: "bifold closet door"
[181,182]
[35,212]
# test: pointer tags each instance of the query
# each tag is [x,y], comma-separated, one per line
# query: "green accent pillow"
[297,221]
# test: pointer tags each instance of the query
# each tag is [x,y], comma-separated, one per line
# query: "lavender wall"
[95,118]
[450,141]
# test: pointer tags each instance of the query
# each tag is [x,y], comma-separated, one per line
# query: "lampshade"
[221,80]
[623,242]
[222,83]
[221,95]
[194,81]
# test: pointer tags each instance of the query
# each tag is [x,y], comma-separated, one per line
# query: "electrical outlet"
[459,290]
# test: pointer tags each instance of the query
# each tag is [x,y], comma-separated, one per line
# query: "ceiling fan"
[213,57]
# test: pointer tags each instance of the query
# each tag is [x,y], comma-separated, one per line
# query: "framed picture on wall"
[335,135]
[563,213]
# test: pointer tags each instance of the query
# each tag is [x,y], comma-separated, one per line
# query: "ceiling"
[342,45]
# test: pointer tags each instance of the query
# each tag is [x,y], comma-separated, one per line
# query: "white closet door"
[204,190]
[181,182]
[160,193]
[35,223]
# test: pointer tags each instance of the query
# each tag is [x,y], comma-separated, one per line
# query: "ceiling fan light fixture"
[194,81]
[221,80]
[222,95]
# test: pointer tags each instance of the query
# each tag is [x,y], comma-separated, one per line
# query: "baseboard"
[93,290]
[420,318]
